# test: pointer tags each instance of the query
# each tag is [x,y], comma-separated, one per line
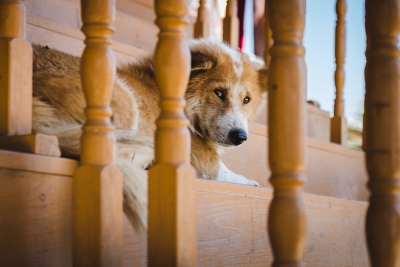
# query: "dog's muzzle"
[237,136]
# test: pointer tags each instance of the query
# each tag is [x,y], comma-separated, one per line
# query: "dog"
[223,93]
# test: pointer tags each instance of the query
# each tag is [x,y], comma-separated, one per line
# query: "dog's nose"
[237,136]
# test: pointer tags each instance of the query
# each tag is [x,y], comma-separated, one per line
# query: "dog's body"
[224,91]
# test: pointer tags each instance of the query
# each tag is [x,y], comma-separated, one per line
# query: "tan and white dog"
[223,93]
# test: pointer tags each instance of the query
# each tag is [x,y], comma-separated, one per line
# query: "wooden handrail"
[172,217]
[15,71]
[338,121]
[230,27]
[287,222]
[202,25]
[97,183]
[382,131]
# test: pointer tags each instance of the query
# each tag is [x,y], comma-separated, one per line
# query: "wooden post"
[16,85]
[230,23]
[172,217]
[382,131]
[338,121]
[15,71]
[268,37]
[202,26]
[97,200]
[287,131]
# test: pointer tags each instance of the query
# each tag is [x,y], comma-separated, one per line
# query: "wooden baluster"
[287,131]
[268,36]
[97,200]
[202,26]
[338,121]
[231,25]
[172,216]
[382,131]
[15,71]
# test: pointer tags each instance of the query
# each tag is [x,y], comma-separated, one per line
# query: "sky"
[319,42]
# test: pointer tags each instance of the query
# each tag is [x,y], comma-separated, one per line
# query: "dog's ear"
[263,78]
[201,62]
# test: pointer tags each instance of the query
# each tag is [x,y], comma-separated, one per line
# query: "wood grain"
[172,219]
[287,220]
[382,131]
[34,143]
[15,70]
[97,183]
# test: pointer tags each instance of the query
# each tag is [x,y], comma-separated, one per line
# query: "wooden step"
[134,29]
[35,224]
[332,170]
[318,122]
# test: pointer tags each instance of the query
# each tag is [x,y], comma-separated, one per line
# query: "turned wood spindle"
[97,183]
[230,23]
[287,222]
[338,121]
[172,210]
[382,131]
[268,37]
[202,25]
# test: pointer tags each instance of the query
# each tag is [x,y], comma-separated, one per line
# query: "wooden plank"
[37,163]
[69,40]
[318,122]
[130,29]
[34,143]
[35,217]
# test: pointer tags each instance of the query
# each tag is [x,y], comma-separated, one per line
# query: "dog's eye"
[246,100]
[220,93]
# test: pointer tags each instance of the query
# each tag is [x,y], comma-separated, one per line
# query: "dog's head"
[224,92]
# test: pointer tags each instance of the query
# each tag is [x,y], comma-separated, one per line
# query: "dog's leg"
[226,175]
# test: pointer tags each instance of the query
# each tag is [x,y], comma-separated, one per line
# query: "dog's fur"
[221,82]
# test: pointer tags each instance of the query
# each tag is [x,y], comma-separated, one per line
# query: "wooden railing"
[287,221]
[97,201]
[338,121]
[172,216]
[382,131]
[97,183]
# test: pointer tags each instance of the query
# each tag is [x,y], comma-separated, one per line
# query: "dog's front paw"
[253,183]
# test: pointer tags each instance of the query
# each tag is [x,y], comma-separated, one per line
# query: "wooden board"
[130,29]
[69,40]
[318,122]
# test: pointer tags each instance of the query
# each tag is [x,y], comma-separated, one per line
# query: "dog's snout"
[237,136]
